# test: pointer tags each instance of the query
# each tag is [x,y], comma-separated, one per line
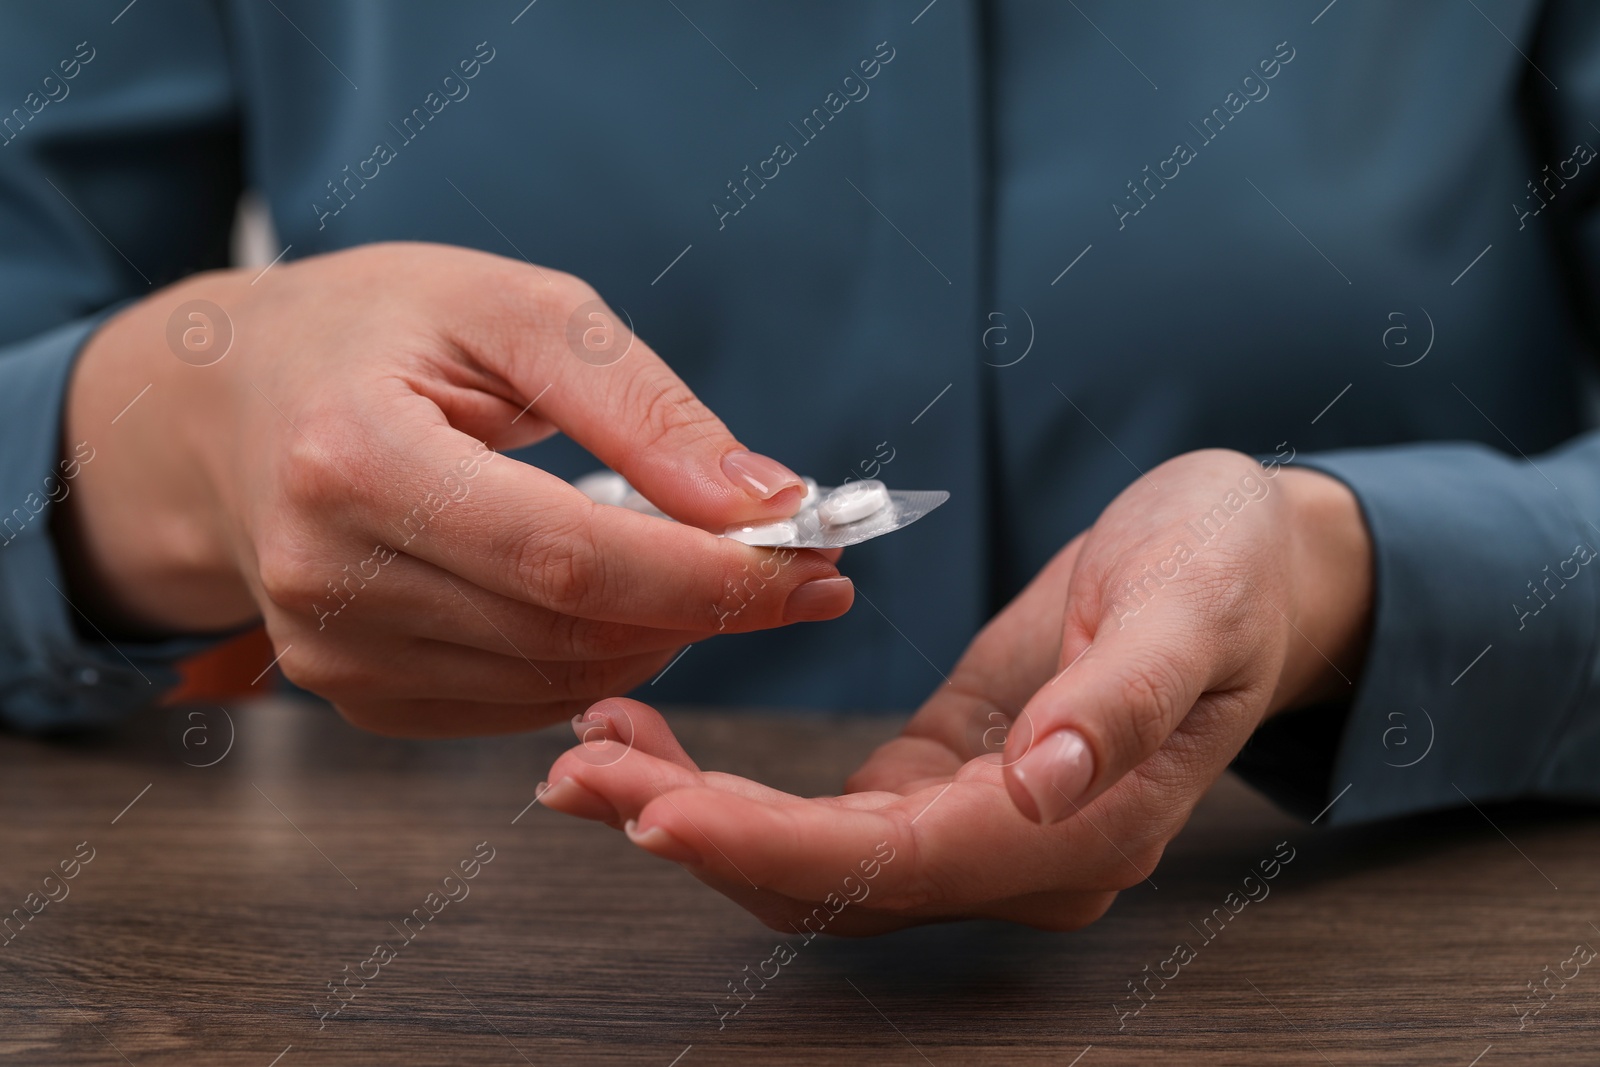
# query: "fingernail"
[1055,773]
[593,728]
[659,842]
[759,476]
[819,599]
[571,798]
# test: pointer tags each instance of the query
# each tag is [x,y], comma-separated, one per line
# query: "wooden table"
[221,900]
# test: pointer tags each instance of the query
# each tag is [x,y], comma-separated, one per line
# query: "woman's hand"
[1135,692]
[333,471]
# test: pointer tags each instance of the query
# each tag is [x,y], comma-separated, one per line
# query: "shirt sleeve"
[1480,681]
[119,172]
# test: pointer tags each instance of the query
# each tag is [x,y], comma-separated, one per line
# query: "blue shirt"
[1016,250]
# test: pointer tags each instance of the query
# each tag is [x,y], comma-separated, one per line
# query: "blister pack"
[835,517]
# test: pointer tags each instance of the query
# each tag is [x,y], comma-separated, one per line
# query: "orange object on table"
[235,668]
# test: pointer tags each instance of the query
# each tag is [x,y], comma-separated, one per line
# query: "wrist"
[143,543]
[1330,561]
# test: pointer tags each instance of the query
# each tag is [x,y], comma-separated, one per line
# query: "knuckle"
[1137,865]
[1151,694]
[342,674]
[555,294]
[286,577]
[315,671]
[1145,862]
[671,414]
[313,478]
[560,567]
[569,290]
[567,637]
[921,886]
[749,598]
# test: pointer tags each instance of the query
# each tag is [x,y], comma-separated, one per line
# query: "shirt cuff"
[53,675]
[1482,647]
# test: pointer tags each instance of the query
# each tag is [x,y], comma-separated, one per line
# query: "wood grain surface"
[222,899]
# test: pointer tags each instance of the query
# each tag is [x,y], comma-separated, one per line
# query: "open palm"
[925,830]
[1067,747]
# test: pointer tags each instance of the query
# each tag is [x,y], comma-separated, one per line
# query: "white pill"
[766,534]
[853,502]
[604,487]
[810,499]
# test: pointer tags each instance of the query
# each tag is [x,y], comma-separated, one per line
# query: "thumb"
[1114,702]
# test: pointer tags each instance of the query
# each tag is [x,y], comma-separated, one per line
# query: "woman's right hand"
[335,473]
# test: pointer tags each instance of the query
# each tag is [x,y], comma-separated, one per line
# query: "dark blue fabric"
[1264,209]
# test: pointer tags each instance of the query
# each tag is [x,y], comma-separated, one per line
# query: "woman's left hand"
[1068,746]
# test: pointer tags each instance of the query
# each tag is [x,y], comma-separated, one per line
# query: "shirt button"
[88,676]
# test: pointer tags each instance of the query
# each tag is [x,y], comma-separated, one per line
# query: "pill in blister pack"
[845,516]
[852,502]
[604,487]
[828,517]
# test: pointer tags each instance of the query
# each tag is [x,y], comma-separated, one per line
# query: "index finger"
[553,339]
